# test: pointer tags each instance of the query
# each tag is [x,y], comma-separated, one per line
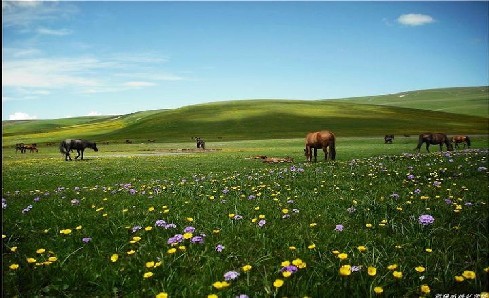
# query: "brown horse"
[434,139]
[461,139]
[320,139]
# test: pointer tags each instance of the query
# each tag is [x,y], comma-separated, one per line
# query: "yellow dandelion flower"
[285,211]
[4,236]
[172,250]
[220,285]
[261,216]
[292,247]
[187,236]
[161,295]
[65,231]
[335,252]
[286,273]
[392,267]
[285,263]
[468,274]
[397,274]
[114,258]
[459,278]
[342,256]
[372,271]
[31,260]
[212,296]
[312,225]
[150,264]
[148,228]
[345,270]
[189,219]
[278,283]
[14,266]
[378,290]
[425,289]
[312,246]
[150,209]
[157,264]
[131,252]
[361,248]
[420,269]
[40,251]
[368,225]
[148,274]
[78,228]
[182,247]
[52,259]
[13,249]
[428,250]
[216,231]
[246,268]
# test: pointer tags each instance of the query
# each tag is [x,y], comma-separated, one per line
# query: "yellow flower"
[342,256]
[220,284]
[161,295]
[420,269]
[148,228]
[286,273]
[148,274]
[425,289]
[150,264]
[285,211]
[52,259]
[397,274]
[368,225]
[4,236]
[150,209]
[345,270]
[172,250]
[468,274]
[14,266]
[312,246]
[378,290]
[285,263]
[135,239]
[65,231]
[78,228]
[131,252]
[40,250]
[312,225]
[182,247]
[459,278]
[246,268]
[335,252]
[292,247]
[299,263]
[31,260]
[428,250]
[372,271]
[278,283]
[392,267]
[187,236]
[212,296]
[361,248]
[114,258]
[216,231]
[485,269]
[189,219]
[13,249]
[231,215]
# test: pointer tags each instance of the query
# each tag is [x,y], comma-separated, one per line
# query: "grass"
[376,192]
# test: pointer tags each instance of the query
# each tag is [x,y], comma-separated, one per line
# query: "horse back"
[320,139]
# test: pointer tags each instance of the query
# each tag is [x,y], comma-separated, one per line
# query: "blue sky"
[65,59]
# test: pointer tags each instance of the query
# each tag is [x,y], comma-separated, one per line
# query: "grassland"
[139,220]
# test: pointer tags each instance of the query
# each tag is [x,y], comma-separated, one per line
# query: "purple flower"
[242,296]
[219,248]
[231,275]
[448,201]
[238,217]
[175,239]
[481,169]
[251,197]
[290,268]
[136,228]
[160,223]
[86,239]
[410,176]
[426,219]
[339,228]
[189,230]
[395,195]
[417,191]
[355,268]
[37,199]
[436,184]
[197,239]
[261,223]
[170,226]
[225,190]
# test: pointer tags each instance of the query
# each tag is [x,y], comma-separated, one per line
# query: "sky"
[65,59]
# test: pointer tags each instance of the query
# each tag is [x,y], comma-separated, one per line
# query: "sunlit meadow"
[220,225]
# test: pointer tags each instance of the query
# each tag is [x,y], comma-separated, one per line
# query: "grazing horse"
[388,139]
[200,143]
[434,139]
[31,148]
[320,139]
[79,145]
[20,147]
[461,139]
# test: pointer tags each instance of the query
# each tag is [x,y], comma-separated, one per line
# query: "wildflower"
[361,248]
[220,285]
[345,270]
[212,296]
[136,228]
[131,252]
[397,274]
[52,259]
[231,275]
[372,271]
[426,219]
[197,239]
[368,225]
[86,239]
[31,260]
[299,263]
[150,264]
[150,209]
[261,223]
[312,225]
[14,266]
[78,228]
[135,239]
[392,267]
[312,246]
[378,290]
[220,248]
[278,283]
[148,274]
[428,250]
[459,278]
[172,250]
[75,202]
[342,256]
[148,228]
[425,289]
[339,228]
[161,295]
[40,251]
[114,258]
[13,249]
[468,274]
[246,268]
[189,229]
[420,269]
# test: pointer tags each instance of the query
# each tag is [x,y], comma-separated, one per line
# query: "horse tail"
[467,139]
[420,142]
[62,147]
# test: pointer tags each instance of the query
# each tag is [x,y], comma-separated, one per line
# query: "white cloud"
[21,116]
[94,113]
[413,19]
[55,32]
[139,84]
[23,14]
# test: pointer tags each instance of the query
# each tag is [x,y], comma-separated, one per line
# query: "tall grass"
[105,226]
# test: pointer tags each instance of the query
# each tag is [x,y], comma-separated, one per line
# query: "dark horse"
[434,139]
[318,140]
[461,139]
[388,139]
[79,145]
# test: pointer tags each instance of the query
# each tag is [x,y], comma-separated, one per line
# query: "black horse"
[434,139]
[79,145]
[388,139]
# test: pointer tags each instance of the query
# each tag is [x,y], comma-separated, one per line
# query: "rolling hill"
[412,113]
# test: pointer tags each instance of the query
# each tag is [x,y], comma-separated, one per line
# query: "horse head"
[94,147]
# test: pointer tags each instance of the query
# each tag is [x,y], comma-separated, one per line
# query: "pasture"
[136,220]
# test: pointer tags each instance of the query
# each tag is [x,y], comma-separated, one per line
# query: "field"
[136,220]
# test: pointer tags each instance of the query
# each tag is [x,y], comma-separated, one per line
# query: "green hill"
[265,119]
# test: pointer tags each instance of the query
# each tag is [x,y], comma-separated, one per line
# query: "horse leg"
[325,149]
[427,146]
[315,154]
[78,152]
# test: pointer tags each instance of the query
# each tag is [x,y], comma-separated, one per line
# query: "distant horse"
[388,139]
[318,140]
[461,139]
[434,139]
[31,148]
[79,145]
[200,143]
[20,147]
[128,142]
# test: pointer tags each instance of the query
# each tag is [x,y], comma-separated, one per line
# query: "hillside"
[264,119]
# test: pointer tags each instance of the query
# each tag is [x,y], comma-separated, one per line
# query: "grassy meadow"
[155,219]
